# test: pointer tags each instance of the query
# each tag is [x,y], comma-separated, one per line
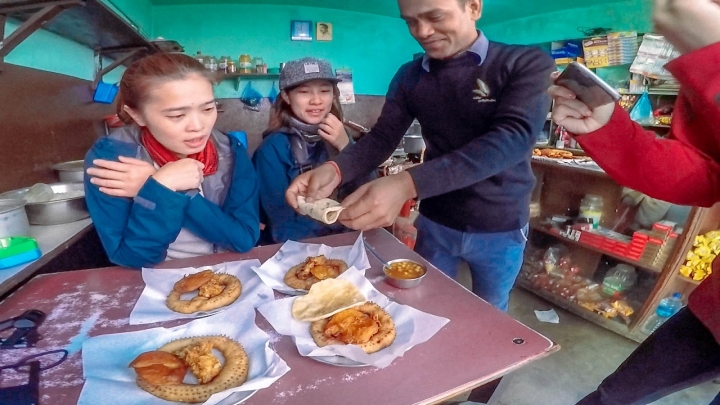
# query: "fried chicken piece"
[203,364]
[159,368]
[318,267]
[212,288]
[352,327]
[193,281]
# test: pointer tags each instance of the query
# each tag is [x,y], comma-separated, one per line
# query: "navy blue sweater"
[479,123]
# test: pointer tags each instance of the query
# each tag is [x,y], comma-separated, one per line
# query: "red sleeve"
[666,169]
[699,76]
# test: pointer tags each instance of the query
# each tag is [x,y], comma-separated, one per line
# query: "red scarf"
[162,155]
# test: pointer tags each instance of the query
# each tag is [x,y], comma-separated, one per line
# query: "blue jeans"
[495,259]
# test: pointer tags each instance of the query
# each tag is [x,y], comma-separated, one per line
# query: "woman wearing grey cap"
[309,132]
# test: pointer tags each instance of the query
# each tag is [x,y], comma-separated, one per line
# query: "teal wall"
[44,50]
[633,15]
[373,46]
[136,12]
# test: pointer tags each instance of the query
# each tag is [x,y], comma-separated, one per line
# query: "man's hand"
[688,24]
[181,175]
[313,185]
[120,179]
[333,131]
[575,115]
[377,204]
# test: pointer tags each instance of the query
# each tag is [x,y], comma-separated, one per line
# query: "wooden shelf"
[688,280]
[227,76]
[653,93]
[541,229]
[92,24]
[656,126]
[615,326]
[580,169]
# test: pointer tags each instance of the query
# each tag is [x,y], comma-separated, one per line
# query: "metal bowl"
[13,218]
[404,282]
[59,210]
[70,172]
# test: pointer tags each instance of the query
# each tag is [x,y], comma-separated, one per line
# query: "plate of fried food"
[222,359]
[196,292]
[347,322]
[297,266]
[553,153]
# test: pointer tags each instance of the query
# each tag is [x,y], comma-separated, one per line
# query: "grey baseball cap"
[303,70]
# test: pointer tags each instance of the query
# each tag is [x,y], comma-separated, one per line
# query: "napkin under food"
[109,380]
[412,326]
[151,307]
[292,253]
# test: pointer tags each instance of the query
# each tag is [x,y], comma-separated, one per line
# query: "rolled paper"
[324,210]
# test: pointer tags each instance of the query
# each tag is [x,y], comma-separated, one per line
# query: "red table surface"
[475,347]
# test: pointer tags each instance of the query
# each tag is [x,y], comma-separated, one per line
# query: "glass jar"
[258,64]
[245,64]
[223,63]
[591,208]
[231,67]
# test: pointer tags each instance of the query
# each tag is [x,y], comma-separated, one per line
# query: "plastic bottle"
[667,307]
[200,57]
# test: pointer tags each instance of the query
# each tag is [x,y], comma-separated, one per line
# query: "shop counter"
[478,345]
[52,240]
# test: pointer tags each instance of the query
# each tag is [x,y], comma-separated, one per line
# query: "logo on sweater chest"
[482,93]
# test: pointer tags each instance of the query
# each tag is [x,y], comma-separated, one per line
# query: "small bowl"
[404,282]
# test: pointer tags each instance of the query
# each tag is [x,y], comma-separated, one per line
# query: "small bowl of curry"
[404,273]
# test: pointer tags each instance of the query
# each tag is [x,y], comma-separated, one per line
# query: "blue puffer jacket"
[136,232]
[276,169]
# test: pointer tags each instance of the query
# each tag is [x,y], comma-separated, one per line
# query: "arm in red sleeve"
[666,169]
[699,78]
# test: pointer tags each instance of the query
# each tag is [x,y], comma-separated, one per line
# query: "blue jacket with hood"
[136,232]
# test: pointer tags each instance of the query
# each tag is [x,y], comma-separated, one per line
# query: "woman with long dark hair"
[306,131]
[168,185]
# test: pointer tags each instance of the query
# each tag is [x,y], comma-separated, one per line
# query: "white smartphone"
[587,86]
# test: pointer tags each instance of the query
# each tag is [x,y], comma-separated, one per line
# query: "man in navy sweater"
[481,105]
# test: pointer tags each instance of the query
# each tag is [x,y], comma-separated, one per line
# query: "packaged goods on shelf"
[622,47]
[698,264]
[596,52]
[654,53]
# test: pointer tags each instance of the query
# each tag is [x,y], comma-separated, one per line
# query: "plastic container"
[200,57]
[591,207]
[619,280]
[667,307]
[223,64]
[15,251]
[105,93]
[211,64]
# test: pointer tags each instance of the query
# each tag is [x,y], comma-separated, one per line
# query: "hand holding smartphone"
[587,86]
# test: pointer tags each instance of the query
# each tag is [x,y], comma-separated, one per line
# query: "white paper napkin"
[109,380]
[292,253]
[412,327]
[151,307]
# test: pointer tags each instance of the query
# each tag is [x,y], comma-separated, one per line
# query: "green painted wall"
[621,16]
[373,46]
[44,50]
[136,12]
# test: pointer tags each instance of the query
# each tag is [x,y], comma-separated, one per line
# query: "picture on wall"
[324,31]
[301,30]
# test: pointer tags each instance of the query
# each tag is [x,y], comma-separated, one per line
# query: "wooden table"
[479,344]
